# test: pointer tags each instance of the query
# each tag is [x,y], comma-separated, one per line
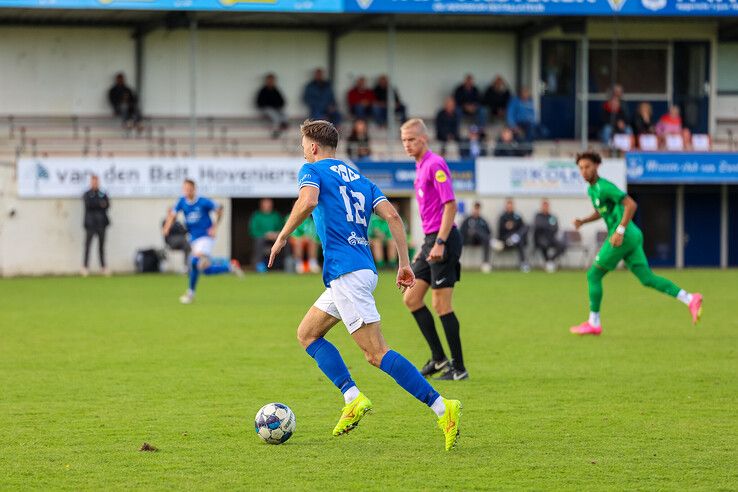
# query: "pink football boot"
[695,307]
[586,329]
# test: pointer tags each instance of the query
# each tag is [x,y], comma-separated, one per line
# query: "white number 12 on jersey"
[358,206]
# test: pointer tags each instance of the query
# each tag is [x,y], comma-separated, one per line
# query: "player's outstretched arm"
[405,276]
[306,202]
[218,217]
[580,222]
[168,223]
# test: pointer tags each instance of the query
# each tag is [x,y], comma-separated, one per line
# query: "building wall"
[59,71]
[230,69]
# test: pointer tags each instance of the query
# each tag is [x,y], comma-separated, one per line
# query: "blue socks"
[194,272]
[408,377]
[217,266]
[330,362]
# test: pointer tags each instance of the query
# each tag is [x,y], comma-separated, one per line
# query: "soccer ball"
[274,423]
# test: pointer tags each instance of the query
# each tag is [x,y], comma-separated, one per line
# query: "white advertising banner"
[159,177]
[515,176]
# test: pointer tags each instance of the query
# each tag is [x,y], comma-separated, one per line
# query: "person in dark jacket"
[447,124]
[271,104]
[96,221]
[380,104]
[358,142]
[469,102]
[124,102]
[512,233]
[497,97]
[319,98]
[476,232]
[508,145]
[177,240]
[545,236]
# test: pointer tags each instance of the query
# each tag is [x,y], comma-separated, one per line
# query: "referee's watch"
[440,241]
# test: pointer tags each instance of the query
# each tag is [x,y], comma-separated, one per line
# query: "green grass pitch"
[92,368]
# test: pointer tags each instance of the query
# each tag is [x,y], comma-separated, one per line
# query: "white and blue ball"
[274,423]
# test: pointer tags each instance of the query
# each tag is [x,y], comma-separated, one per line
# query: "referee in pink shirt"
[437,264]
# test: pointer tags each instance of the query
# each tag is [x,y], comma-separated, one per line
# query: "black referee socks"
[451,327]
[424,318]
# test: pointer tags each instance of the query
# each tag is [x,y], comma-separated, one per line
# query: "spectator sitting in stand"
[545,232]
[521,116]
[497,97]
[361,99]
[447,124]
[380,102]
[509,146]
[475,145]
[271,104]
[177,241]
[643,120]
[125,103]
[305,240]
[358,141]
[475,231]
[264,227]
[512,233]
[319,98]
[469,101]
[671,124]
[614,119]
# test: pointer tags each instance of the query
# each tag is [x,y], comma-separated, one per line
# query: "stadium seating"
[169,136]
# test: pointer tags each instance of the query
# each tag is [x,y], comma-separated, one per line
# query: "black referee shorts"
[444,273]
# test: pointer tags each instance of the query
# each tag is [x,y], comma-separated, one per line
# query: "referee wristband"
[620,230]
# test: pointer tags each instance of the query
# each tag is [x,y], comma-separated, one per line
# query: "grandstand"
[197,72]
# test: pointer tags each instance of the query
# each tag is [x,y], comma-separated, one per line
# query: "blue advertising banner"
[681,167]
[203,5]
[696,8]
[551,7]
[400,176]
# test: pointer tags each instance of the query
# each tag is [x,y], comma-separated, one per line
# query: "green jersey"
[378,227]
[261,223]
[608,201]
[306,229]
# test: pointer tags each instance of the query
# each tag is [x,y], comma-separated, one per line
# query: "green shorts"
[631,251]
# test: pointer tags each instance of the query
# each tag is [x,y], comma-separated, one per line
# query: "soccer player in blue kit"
[338,198]
[197,210]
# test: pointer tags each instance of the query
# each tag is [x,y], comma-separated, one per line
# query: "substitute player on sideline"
[196,210]
[437,263]
[624,242]
[338,198]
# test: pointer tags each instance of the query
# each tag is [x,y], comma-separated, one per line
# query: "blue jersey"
[197,215]
[345,203]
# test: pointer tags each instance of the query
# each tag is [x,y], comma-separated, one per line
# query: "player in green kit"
[624,242]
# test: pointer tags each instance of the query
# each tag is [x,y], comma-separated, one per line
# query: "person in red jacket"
[361,99]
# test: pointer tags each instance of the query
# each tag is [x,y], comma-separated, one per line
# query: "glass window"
[639,69]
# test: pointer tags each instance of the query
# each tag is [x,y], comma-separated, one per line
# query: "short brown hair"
[190,182]
[321,132]
[590,156]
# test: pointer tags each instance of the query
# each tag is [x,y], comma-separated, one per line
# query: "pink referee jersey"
[433,189]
